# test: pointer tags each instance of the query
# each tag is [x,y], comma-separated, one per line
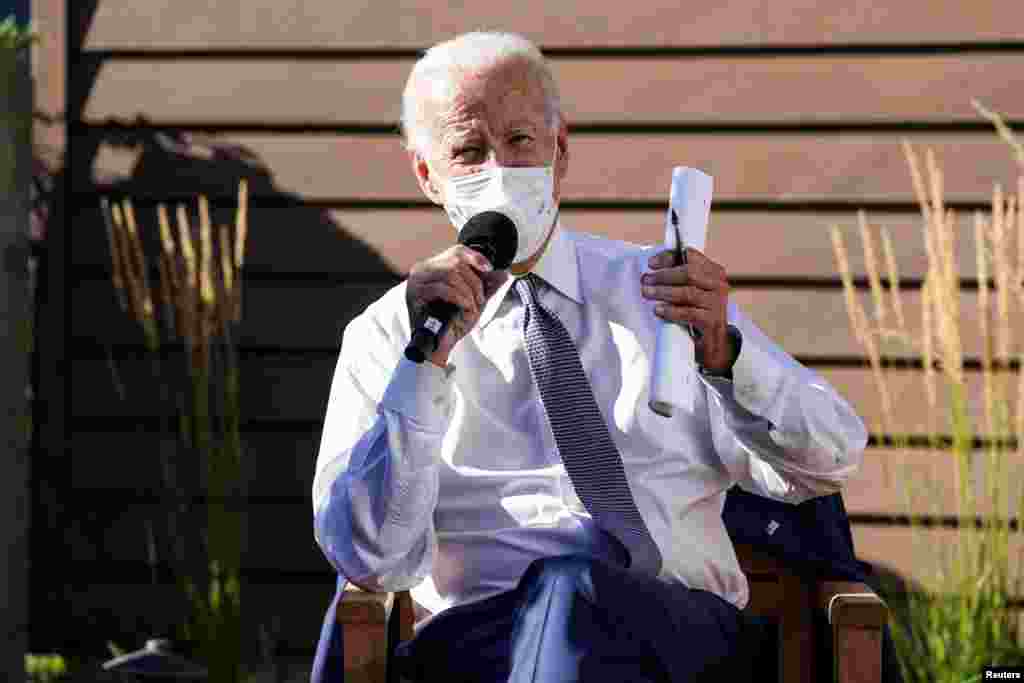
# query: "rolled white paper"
[673,376]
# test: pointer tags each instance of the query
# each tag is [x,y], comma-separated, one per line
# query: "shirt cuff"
[421,392]
[756,380]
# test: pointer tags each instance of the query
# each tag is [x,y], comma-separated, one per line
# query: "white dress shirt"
[448,481]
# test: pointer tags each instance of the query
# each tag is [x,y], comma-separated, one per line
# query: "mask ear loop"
[554,160]
[434,185]
[554,154]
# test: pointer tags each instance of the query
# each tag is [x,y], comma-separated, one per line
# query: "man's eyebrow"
[461,131]
[454,138]
[455,143]
[522,123]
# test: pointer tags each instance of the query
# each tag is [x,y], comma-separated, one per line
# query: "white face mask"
[525,194]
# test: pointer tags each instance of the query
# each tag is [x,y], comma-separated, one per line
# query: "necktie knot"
[526,287]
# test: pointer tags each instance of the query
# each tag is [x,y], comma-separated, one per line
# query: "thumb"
[493,281]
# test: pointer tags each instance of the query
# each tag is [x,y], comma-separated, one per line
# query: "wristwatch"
[736,342]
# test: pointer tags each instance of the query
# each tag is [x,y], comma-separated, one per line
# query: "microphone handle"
[427,334]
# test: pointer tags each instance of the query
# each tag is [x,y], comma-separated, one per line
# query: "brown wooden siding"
[854,168]
[790,243]
[366,24]
[696,90]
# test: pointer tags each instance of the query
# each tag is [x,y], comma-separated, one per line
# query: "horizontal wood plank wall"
[403,236]
[658,24]
[784,167]
[799,90]
[798,110]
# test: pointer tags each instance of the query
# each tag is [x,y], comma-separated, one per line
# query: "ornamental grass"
[188,307]
[965,613]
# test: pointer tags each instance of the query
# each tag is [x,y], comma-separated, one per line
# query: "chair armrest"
[364,621]
[363,607]
[848,603]
[372,625]
[857,616]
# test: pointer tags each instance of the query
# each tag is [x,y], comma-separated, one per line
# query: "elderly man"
[550,526]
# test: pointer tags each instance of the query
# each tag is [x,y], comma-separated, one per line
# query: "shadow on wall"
[294,253]
[894,589]
[92,460]
[286,236]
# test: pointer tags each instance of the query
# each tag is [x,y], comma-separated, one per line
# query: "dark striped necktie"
[590,456]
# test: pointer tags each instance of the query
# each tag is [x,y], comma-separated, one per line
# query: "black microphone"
[491,233]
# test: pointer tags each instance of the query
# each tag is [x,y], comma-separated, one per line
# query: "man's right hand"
[460,276]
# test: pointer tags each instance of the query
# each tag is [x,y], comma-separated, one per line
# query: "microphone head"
[494,235]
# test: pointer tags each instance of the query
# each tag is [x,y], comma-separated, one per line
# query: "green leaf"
[13,36]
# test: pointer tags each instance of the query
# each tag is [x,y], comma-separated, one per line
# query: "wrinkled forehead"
[496,94]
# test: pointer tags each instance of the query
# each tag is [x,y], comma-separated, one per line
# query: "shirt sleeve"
[780,429]
[376,482]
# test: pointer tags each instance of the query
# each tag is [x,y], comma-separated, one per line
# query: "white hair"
[433,77]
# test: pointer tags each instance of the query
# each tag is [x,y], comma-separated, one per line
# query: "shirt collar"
[559,267]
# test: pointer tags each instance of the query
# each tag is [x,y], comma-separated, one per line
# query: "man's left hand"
[693,292]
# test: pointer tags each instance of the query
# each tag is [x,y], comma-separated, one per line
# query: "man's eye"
[467,153]
[521,139]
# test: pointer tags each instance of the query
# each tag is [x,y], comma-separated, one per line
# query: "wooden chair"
[374,622]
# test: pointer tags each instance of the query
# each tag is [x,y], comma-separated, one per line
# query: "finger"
[450,268]
[468,278]
[465,279]
[694,254]
[676,295]
[474,258]
[676,275]
[698,263]
[700,318]
[493,282]
[446,291]
[663,259]
[437,268]
[682,275]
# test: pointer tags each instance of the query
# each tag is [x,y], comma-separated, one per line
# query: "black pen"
[681,256]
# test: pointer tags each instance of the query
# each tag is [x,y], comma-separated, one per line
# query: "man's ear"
[428,183]
[562,161]
[562,140]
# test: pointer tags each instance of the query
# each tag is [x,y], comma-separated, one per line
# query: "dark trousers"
[578,619]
